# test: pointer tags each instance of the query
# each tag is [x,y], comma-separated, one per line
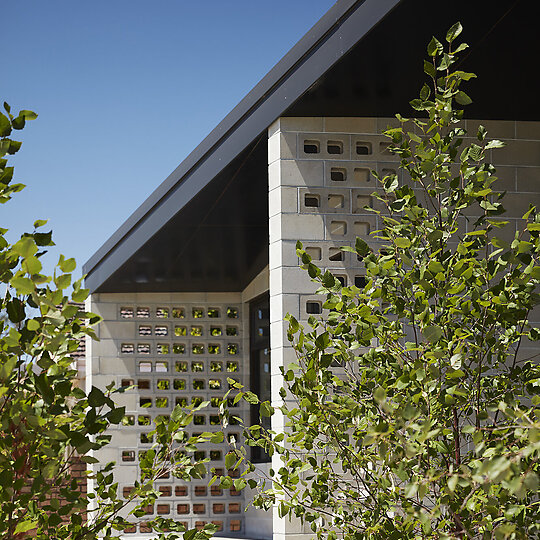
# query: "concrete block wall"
[319,186]
[175,348]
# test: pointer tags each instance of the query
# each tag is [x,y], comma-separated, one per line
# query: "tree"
[46,419]
[409,412]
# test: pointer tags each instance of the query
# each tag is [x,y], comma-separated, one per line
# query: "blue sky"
[125,89]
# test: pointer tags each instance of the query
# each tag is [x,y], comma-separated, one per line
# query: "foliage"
[46,419]
[410,412]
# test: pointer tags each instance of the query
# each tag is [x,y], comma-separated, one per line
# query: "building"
[194,286]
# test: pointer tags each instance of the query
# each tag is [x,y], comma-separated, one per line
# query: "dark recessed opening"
[335,254]
[334,147]
[313,308]
[338,175]
[342,280]
[312,201]
[311,147]
[360,281]
[363,148]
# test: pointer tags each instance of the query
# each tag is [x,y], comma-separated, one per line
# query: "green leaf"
[96,398]
[434,47]
[462,98]
[433,333]
[402,243]
[25,526]
[454,32]
[23,285]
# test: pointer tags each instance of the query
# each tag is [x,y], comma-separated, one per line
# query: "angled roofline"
[344,24]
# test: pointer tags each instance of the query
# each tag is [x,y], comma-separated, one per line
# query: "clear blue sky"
[125,89]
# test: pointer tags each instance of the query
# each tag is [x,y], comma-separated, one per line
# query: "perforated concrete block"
[301,123]
[105,310]
[496,129]
[117,365]
[282,146]
[117,330]
[518,153]
[294,279]
[528,179]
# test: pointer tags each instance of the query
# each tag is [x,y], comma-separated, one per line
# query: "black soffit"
[205,228]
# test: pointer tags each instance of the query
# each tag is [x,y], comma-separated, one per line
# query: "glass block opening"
[128,420]
[143,348]
[338,174]
[361,228]
[214,349]
[336,201]
[145,367]
[179,384]
[182,401]
[218,508]
[199,420]
[334,147]
[198,384]
[342,280]
[200,524]
[143,384]
[163,509]
[197,348]
[130,529]
[145,330]
[162,313]
[218,524]
[145,527]
[126,491]
[143,420]
[128,455]
[196,331]
[146,438]
[161,330]
[127,382]
[197,313]
[181,367]
[182,508]
[180,491]
[162,367]
[235,525]
[338,228]
[162,348]
[314,252]
[200,491]
[313,308]
[216,491]
[165,491]
[197,367]
[162,402]
[363,148]
[163,384]
[233,492]
[178,312]
[180,331]
[360,281]
[312,201]
[214,419]
[216,331]
[179,348]
[232,367]
[232,331]
[145,402]
[213,313]
[311,146]
[214,384]
[232,313]
[214,402]
[216,366]
[234,508]
[335,254]
[127,348]
[232,348]
[126,312]
[143,312]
